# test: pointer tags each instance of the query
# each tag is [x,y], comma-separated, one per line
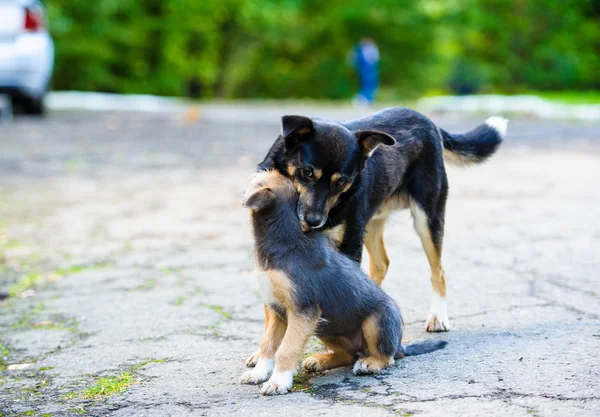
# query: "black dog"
[310,288]
[349,185]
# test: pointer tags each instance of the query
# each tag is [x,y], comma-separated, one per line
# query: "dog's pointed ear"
[296,128]
[259,199]
[369,140]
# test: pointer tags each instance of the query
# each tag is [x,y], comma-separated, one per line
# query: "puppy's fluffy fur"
[310,288]
[352,175]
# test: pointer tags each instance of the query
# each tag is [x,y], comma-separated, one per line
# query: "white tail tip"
[499,124]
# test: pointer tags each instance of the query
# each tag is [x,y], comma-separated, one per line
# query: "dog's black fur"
[412,168]
[323,283]
[344,177]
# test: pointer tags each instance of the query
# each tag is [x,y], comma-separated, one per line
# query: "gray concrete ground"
[129,259]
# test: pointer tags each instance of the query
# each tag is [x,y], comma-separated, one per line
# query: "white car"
[26,54]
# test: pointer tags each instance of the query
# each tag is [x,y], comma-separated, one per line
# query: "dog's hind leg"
[265,362]
[300,325]
[376,361]
[430,227]
[253,358]
[378,258]
[338,355]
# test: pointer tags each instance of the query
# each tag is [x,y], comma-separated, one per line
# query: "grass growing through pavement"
[219,310]
[109,386]
[4,352]
[301,383]
[34,277]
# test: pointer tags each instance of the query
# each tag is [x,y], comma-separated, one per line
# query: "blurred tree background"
[300,48]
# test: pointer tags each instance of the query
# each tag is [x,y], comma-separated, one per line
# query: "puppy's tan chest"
[276,288]
[337,233]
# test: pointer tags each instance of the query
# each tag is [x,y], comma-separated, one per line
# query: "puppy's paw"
[260,373]
[371,365]
[437,321]
[252,359]
[313,364]
[279,383]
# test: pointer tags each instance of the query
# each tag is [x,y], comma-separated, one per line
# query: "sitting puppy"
[311,288]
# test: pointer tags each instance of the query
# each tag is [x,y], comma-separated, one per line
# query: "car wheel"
[33,106]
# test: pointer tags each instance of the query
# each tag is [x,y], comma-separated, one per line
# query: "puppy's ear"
[259,200]
[369,140]
[296,128]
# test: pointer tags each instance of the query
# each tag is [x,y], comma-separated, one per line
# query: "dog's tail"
[420,348]
[477,145]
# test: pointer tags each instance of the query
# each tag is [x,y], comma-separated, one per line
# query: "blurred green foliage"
[300,48]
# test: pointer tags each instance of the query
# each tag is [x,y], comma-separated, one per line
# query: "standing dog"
[349,184]
[310,288]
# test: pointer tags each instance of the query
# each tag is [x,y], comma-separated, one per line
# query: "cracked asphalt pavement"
[128,260]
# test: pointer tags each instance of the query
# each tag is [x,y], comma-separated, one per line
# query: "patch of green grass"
[11,244]
[146,286]
[33,277]
[70,395]
[79,410]
[144,363]
[26,282]
[570,97]
[75,269]
[218,309]
[169,271]
[29,413]
[178,301]
[46,415]
[24,321]
[4,352]
[301,383]
[109,386]
[46,368]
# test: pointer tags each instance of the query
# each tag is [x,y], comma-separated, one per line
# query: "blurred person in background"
[366,63]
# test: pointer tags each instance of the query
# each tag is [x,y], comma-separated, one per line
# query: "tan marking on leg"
[265,362]
[340,353]
[438,315]
[299,329]
[253,358]
[375,361]
[274,332]
[378,258]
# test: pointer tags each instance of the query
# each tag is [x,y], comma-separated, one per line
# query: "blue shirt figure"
[366,63]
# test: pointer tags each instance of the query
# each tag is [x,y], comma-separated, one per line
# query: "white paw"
[371,365]
[437,321]
[252,359]
[279,383]
[260,373]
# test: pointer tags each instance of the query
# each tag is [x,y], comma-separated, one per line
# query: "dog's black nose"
[314,220]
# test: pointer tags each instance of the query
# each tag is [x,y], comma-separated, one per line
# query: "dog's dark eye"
[307,173]
[340,183]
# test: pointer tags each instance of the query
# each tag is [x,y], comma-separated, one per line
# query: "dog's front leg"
[274,332]
[352,242]
[300,326]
